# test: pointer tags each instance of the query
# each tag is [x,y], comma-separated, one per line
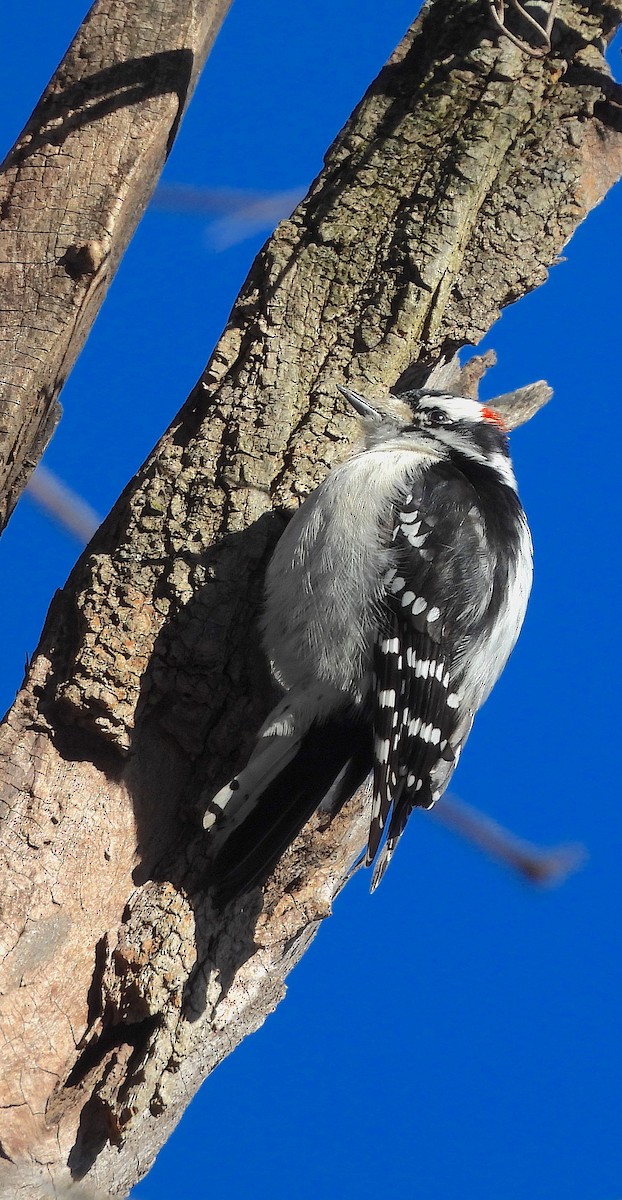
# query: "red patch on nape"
[489,414]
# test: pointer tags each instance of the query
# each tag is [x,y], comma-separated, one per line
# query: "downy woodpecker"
[393,601]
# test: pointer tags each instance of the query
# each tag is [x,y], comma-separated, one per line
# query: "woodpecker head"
[437,424]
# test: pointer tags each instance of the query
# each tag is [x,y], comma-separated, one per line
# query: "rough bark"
[454,185]
[72,191]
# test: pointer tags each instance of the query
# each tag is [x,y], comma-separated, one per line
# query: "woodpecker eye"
[438,416]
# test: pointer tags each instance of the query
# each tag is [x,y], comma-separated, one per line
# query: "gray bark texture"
[72,191]
[453,187]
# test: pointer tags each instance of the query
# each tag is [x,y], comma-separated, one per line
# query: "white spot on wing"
[390,645]
[381,749]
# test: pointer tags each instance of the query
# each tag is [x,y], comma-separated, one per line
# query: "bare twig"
[545,867]
[234,213]
[497,9]
[63,504]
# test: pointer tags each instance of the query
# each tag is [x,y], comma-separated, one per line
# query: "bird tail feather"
[332,760]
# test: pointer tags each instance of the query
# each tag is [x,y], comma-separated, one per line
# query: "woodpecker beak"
[360,404]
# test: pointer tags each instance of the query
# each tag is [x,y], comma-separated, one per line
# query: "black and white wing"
[439,589]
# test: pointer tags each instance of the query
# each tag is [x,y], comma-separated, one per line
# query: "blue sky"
[456,1034]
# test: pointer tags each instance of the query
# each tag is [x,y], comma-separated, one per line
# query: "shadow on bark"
[105,92]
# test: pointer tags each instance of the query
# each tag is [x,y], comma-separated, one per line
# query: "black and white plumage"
[393,601]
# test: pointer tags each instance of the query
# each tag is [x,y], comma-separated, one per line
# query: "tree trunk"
[72,191]
[452,188]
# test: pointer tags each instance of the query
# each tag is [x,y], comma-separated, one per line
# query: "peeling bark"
[453,187]
[72,191]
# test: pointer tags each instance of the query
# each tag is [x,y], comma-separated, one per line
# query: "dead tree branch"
[72,191]
[453,187]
